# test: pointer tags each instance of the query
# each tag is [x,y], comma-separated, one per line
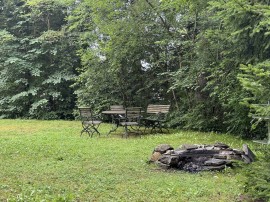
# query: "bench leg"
[157,126]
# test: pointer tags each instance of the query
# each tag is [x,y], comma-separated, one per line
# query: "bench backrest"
[155,109]
[117,107]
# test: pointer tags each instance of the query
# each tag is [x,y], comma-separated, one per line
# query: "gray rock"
[246,159]
[214,162]
[249,153]
[226,152]
[170,160]
[209,147]
[237,151]
[220,156]
[221,145]
[200,152]
[208,168]
[179,152]
[155,156]
[170,152]
[189,146]
[162,148]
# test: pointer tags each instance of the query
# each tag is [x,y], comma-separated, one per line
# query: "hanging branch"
[160,17]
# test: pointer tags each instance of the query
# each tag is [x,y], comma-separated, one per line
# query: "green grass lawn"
[49,161]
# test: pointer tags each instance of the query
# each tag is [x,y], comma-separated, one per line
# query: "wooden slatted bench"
[156,117]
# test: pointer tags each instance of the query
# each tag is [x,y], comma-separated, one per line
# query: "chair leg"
[140,131]
[126,131]
[95,130]
[88,131]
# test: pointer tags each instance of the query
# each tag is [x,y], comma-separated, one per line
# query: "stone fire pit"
[194,158]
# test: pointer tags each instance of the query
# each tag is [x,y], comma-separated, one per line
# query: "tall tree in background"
[255,74]
[132,48]
[237,37]
[118,51]
[39,66]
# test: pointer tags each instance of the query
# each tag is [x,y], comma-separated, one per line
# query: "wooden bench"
[156,117]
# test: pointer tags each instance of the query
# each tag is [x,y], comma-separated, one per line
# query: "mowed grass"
[49,161]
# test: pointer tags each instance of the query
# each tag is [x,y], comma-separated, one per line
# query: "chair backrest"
[155,109]
[85,113]
[133,113]
[117,107]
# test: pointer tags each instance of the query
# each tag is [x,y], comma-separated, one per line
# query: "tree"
[37,74]
[231,38]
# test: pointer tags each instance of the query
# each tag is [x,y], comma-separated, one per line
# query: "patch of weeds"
[60,158]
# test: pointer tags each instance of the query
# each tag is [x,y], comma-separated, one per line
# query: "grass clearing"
[49,161]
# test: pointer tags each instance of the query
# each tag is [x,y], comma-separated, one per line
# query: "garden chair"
[117,117]
[131,120]
[90,122]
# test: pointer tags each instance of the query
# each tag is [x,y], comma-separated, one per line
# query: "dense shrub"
[258,177]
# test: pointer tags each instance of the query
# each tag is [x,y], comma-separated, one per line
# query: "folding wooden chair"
[90,123]
[131,120]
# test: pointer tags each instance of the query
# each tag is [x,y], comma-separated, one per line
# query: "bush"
[258,177]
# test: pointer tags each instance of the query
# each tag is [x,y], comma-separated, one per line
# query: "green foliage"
[258,177]
[132,48]
[255,79]
[38,61]
[231,38]
[5,37]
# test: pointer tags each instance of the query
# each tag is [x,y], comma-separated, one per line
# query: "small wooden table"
[116,116]
[267,119]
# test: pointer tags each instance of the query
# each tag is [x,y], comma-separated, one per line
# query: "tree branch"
[160,17]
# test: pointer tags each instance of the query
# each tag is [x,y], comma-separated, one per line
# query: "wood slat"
[116,107]
[158,108]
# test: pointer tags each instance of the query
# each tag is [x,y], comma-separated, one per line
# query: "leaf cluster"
[258,177]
